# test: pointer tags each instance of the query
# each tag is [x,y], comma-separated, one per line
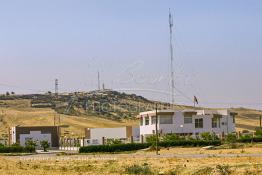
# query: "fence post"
[103,140]
[141,138]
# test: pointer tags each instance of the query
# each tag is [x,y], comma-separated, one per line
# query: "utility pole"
[56,87]
[172,59]
[260,121]
[156,131]
[103,86]
[59,118]
[98,80]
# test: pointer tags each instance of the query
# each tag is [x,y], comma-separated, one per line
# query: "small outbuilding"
[21,134]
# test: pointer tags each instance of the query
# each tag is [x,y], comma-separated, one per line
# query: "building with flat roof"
[187,122]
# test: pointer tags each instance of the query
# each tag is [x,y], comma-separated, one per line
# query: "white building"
[189,122]
[98,136]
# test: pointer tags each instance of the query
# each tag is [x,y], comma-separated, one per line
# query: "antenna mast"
[172,58]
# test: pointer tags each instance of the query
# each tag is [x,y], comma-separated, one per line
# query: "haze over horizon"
[217,46]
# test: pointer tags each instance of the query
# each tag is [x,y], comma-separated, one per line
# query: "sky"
[217,48]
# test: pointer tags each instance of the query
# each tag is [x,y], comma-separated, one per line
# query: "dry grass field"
[125,165]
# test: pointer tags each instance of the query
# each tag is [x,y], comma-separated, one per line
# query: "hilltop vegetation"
[107,104]
[76,111]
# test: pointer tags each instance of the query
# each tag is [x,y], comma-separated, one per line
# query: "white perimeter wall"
[117,133]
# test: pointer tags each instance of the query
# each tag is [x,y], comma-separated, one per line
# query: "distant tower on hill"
[56,87]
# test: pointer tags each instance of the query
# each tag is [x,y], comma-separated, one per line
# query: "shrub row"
[114,148]
[17,149]
[138,146]
[249,140]
[190,143]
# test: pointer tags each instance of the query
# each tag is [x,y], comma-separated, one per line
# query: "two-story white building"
[187,122]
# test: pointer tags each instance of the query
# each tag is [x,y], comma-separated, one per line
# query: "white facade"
[95,136]
[191,122]
[37,136]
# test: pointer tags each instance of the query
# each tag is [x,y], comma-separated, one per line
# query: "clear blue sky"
[218,48]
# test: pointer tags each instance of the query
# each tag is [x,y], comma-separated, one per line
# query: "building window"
[166,119]
[94,141]
[199,123]
[141,121]
[153,120]
[215,122]
[188,117]
[147,120]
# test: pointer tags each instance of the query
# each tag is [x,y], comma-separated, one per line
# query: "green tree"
[45,145]
[231,139]
[206,136]
[30,143]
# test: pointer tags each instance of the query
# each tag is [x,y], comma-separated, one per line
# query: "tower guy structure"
[172,58]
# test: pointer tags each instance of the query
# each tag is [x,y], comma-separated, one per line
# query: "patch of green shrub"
[137,169]
[113,141]
[170,137]
[208,136]
[223,169]
[190,143]
[151,139]
[258,132]
[250,140]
